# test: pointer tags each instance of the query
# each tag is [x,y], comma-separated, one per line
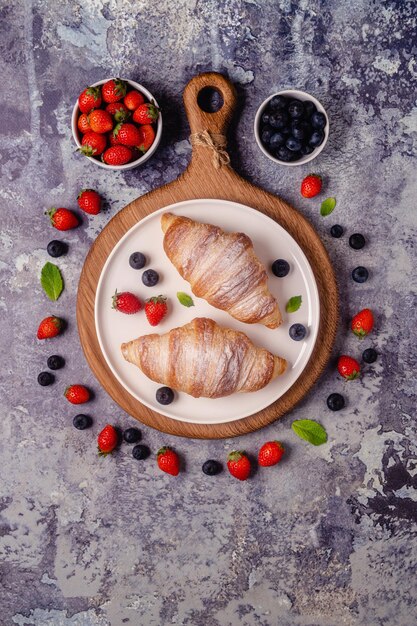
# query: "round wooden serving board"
[202,180]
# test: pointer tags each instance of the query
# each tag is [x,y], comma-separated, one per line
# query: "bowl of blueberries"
[291,127]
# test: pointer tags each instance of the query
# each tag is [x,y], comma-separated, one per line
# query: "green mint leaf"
[327,206]
[51,281]
[185,299]
[310,430]
[293,304]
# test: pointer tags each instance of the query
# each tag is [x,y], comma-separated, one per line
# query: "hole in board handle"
[210,99]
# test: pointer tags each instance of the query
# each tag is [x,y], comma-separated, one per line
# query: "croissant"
[222,268]
[204,359]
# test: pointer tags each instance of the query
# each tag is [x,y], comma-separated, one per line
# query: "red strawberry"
[89,99]
[156,309]
[146,113]
[133,99]
[311,186]
[107,440]
[270,453]
[114,90]
[168,461]
[89,201]
[239,465]
[93,144]
[117,155]
[348,368]
[126,302]
[363,323]
[127,135]
[50,327]
[118,110]
[100,121]
[83,123]
[63,219]
[77,394]
[113,141]
[147,137]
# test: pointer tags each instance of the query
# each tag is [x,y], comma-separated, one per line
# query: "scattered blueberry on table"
[360,274]
[55,362]
[132,435]
[369,355]
[45,379]
[356,241]
[336,231]
[81,421]
[212,467]
[140,452]
[335,402]
[56,248]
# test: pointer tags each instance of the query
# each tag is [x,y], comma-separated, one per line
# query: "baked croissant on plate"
[204,359]
[222,268]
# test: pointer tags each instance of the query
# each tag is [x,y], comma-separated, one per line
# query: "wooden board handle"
[199,120]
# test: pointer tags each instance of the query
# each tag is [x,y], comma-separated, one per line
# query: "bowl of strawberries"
[116,123]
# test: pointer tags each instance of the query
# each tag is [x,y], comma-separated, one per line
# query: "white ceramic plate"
[271,242]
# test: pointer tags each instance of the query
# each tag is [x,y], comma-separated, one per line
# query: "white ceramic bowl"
[128,166]
[299,95]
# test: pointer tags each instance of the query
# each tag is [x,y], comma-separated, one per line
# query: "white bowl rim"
[142,159]
[301,95]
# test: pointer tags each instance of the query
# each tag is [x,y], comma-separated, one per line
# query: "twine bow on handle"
[214,141]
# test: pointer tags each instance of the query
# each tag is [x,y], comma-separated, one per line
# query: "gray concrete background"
[326,538]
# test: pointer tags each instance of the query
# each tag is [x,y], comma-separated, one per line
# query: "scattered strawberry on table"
[348,367]
[311,185]
[103,122]
[168,461]
[362,323]
[89,201]
[107,440]
[156,309]
[50,327]
[77,394]
[63,219]
[126,302]
[239,465]
[271,453]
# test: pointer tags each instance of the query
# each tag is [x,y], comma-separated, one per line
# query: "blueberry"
[280,268]
[56,248]
[300,130]
[283,154]
[211,467]
[150,278]
[81,421]
[55,362]
[298,332]
[356,241]
[278,102]
[316,139]
[318,120]
[306,149]
[293,144]
[369,355]
[266,134]
[164,395]
[140,452]
[137,260]
[335,402]
[296,109]
[309,108]
[336,231]
[45,379]
[265,118]
[360,274]
[132,435]
[279,120]
[276,140]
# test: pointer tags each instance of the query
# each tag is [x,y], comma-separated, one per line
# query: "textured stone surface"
[327,538]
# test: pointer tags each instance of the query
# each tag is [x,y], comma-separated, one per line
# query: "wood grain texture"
[202,180]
